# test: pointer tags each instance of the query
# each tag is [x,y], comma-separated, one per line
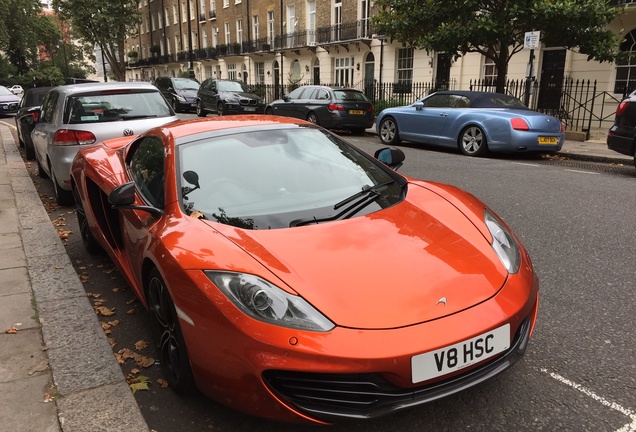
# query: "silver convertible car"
[474,122]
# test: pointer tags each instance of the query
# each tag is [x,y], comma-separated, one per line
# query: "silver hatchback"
[77,115]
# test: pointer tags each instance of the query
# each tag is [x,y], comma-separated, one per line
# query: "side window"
[296,93]
[147,169]
[322,94]
[461,102]
[48,107]
[439,101]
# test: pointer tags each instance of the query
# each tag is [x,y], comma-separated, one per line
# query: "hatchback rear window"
[115,106]
[350,95]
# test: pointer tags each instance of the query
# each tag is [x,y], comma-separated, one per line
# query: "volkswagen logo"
[128,132]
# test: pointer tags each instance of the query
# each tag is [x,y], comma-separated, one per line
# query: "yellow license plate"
[548,140]
[356,112]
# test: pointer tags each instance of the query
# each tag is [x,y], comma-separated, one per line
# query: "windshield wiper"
[367,195]
[139,116]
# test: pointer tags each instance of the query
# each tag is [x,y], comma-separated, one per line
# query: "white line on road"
[582,172]
[526,164]
[629,427]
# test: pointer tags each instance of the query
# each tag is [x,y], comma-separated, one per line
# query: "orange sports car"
[292,276]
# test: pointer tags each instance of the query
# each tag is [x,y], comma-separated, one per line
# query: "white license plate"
[455,357]
[249,109]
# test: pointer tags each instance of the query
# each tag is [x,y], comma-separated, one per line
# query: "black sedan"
[27,116]
[621,135]
[225,97]
[329,107]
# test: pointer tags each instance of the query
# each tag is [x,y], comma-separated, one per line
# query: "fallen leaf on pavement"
[112,342]
[12,330]
[63,234]
[114,323]
[134,371]
[105,326]
[48,398]
[116,289]
[139,345]
[162,383]
[131,312]
[141,384]
[104,311]
[132,300]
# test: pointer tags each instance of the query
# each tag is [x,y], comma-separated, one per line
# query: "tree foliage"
[496,28]
[102,23]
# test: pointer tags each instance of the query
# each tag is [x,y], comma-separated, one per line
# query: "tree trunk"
[502,69]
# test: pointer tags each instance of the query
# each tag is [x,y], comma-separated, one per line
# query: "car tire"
[312,118]
[62,196]
[389,133]
[220,109]
[472,141]
[29,151]
[200,111]
[269,111]
[90,244]
[41,172]
[175,106]
[169,341]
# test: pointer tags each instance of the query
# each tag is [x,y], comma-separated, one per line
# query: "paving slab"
[22,356]
[22,406]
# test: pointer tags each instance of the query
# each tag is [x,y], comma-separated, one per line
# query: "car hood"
[9,98]
[187,93]
[397,267]
[239,95]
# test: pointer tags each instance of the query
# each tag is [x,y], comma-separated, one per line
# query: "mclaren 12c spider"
[295,277]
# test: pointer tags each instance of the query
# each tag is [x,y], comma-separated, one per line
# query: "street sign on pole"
[531,40]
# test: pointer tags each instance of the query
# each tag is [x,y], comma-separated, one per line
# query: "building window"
[626,67]
[226,3]
[270,28]
[205,38]
[311,22]
[405,69]
[228,38]
[153,24]
[365,14]
[215,36]
[343,71]
[337,20]
[177,45]
[255,27]
[213,7]
[166,17]
[159,20]
[259,69]
[231,71]
[239,30]
[490,70]
[175,16]
[292,25]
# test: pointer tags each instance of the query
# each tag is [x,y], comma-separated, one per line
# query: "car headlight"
[181,98]
[503,243]
[266,302]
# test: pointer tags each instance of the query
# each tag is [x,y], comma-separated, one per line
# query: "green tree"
[496,28]
[24,30]
[102,23]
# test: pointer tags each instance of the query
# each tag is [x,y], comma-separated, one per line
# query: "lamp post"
[190,67]
[381,38]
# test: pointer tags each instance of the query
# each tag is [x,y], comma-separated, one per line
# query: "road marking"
[582,172]
[629,427]
[526,164]
[8,124]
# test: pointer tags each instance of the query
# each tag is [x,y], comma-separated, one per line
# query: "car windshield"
[5,91]
[115,106]
[505,101]
[185,84]
[271,178]
[232,86]
[350,95]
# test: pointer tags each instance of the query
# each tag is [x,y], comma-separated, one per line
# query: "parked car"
[622,135]
[225,97]
[8,101]
[329,107]
[181,93]
[234,231]
[74,116]
[475,122]
[16,90]
[27,116]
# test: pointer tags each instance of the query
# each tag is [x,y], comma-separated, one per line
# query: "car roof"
[184,128]
[477,98]
[101,86]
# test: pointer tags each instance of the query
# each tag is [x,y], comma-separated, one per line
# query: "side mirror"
[390,156]
[286,98]
[418,105]
[123,197]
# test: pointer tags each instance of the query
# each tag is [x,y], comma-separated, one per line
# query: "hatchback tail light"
[66,137]
[335,107]
[519,124]
[36,116]
[621,108]
[370,109]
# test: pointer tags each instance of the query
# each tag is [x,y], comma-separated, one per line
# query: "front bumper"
[236,108]
[8,108]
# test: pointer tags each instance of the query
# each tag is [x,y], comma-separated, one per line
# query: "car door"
[287,106]
[45,128]
[204,93]
[424,121]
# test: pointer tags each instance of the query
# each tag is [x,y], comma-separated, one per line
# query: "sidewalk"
[57,370]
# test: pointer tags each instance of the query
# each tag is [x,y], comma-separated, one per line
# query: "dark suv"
[622,136]
[181,93]
[227,97]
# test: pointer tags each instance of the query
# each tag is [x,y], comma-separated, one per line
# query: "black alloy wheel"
[200,111]
[312,117]
[167,335]
[62,196]
[220,109]
[90,244]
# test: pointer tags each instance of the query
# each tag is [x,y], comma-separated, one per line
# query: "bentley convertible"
[474,122]
[292,276]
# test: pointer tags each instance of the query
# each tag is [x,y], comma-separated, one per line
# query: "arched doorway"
[369,75]
[316,72]
[276,68]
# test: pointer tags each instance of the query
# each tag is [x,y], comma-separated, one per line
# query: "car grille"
[332,397]
[245,101]
[9,106]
